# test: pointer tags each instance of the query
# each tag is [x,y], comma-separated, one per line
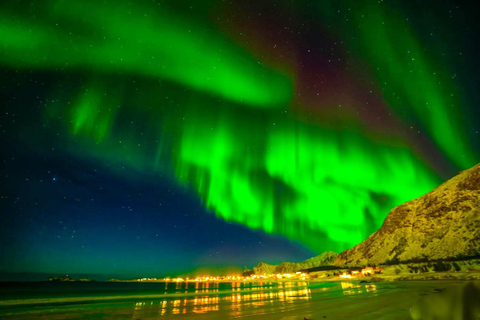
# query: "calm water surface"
[268,300]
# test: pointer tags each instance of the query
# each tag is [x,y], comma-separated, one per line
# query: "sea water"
[212,300]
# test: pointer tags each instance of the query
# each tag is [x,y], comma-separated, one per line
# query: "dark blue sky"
[72,203]
[66,215]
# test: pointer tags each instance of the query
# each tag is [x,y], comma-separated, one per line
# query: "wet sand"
[289,301]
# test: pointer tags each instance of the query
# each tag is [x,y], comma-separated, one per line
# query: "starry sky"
[155,138]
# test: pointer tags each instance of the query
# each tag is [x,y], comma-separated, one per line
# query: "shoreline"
[341,300]
[427,276]
[65,301]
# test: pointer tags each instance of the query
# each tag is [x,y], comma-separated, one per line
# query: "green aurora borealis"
[174,92]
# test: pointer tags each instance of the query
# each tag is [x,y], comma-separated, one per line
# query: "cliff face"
[325,259]
[444,223]
[264,268]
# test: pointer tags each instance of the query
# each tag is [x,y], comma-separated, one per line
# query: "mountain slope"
[325,259]
[442,224]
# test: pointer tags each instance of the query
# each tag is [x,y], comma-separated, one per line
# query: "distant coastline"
[435,270]
[68,279]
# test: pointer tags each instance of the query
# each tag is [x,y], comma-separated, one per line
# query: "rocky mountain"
[442,224]
[325,259]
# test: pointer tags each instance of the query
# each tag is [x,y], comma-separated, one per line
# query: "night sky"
[154,138]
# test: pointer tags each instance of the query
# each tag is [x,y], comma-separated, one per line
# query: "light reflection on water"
[350,288]
[235,299]
[208,297]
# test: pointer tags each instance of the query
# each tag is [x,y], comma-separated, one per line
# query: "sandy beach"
[273,300]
